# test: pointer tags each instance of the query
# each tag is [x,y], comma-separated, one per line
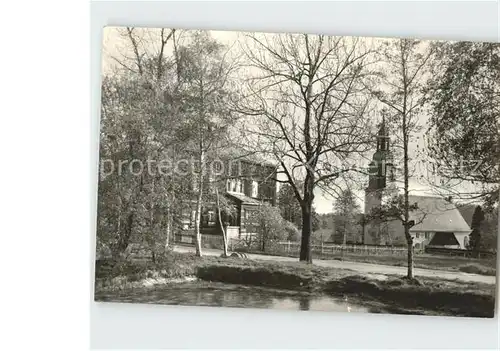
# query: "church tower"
[378,169]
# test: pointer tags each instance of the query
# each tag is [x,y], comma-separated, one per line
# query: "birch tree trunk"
[199,201]
[344,237]
[169,227]
[406,224]
[405,74]
[406,175]
[152,232]
[224,234]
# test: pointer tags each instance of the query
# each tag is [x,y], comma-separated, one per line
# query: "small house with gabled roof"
[438,223]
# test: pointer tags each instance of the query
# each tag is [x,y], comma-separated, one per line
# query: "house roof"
[435,214]
[243,198]
[235,153]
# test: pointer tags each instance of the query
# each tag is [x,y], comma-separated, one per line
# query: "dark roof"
[435,214]
[243,198]
[235,153]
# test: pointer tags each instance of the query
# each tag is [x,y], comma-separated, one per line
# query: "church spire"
[382,138]
[382,126]
[381,159]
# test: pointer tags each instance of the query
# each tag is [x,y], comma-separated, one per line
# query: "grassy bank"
[426,294]
[446,297]
[289,275]
[117,274]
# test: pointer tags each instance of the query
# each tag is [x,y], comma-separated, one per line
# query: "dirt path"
[362,267]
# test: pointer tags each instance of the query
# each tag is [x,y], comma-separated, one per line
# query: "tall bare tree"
[307,96]
[401,80]
[207,72]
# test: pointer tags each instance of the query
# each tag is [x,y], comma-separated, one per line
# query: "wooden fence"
[460,252]
[324,250]
[289,248]
[207,241]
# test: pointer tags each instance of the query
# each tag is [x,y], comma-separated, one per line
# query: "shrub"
[212,242]
[292,232]
[271,226]
[275,276]
[477,269]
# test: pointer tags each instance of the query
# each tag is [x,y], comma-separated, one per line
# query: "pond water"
[231,295]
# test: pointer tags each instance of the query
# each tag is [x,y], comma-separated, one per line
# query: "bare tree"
[401,80]
[207,71]
[309,104]
[219,216]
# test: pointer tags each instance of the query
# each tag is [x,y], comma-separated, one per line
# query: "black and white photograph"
[298,171]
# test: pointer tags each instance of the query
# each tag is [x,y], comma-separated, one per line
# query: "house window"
[251,214]
[193,217]
[235,186]
[427,235]
[417,235]
[217,167]
[211,183]
[231,185]
[211,218]
[392,176]
[255,189]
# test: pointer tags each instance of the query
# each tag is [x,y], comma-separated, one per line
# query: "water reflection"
[230,295]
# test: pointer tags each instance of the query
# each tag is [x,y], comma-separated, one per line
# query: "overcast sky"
[114,46]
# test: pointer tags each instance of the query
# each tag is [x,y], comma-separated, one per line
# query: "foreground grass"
[445,297]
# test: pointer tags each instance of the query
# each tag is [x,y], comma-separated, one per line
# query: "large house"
[245,182]
[437,222]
